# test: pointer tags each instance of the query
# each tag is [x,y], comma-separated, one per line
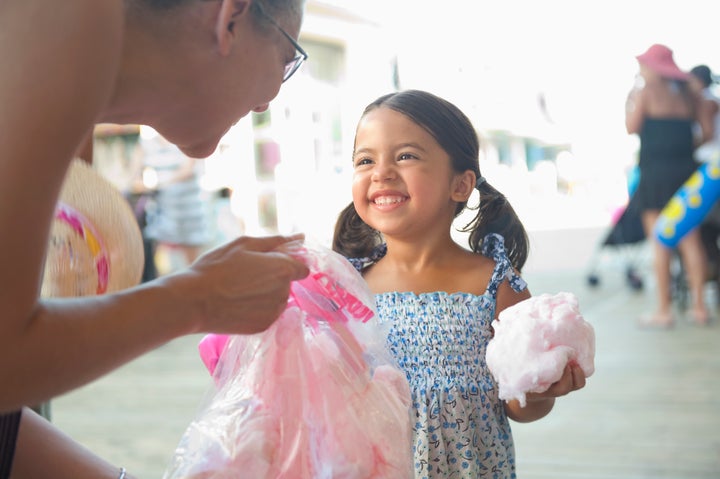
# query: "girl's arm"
[43,450]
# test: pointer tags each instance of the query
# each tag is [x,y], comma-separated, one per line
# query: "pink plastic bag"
[317,395]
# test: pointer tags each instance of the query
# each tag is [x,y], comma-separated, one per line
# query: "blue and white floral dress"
[439,339]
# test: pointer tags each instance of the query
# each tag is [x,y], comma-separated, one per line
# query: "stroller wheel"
[635,283]
[633,279]
[593,280]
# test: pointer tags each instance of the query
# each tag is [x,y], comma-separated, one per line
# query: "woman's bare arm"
[50,100]
[635,110]
[44,451]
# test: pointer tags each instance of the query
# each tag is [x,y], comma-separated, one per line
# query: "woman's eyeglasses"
[300,55]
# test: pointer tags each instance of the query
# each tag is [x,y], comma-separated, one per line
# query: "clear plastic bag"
[317,395]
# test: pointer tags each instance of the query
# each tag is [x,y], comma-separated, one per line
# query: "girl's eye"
[361,161]
[406,156]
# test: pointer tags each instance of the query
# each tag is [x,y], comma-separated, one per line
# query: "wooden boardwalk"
[651,410]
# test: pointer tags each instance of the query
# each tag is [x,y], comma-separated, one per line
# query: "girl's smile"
[400,169]
[385,199]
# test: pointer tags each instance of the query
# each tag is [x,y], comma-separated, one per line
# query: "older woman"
[188,68]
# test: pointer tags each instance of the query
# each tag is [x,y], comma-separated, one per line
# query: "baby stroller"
[627,234]
[710,235]
[624,236]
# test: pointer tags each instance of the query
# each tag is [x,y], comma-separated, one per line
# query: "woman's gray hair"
[275,9]
[271,7]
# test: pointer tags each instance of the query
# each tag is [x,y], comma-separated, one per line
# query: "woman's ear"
[228,16]
[463,186]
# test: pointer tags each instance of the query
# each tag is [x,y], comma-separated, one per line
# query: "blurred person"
[179,215]
[416,163]
[701,82]
[663,110]
[188,68]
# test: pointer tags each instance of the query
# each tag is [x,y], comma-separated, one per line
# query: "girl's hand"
[540,404]
[573,378]
[240,287]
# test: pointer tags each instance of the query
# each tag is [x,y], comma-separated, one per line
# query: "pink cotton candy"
[534,341]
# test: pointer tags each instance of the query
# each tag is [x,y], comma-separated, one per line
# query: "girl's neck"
[418,255]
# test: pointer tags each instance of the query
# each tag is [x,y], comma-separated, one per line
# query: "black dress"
[666,160]
[9,425]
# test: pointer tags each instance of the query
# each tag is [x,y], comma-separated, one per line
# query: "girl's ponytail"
[353,238]
[496,215]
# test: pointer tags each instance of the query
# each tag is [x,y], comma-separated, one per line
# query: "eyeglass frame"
[300,55]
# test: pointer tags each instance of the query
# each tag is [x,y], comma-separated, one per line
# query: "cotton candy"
[534,341]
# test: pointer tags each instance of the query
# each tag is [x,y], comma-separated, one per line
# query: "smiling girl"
[415,166]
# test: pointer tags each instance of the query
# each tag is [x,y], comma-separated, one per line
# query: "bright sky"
[488,54]
[493,58]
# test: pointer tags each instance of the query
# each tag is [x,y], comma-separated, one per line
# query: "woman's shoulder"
[41,20]
[665,99]
[78,37]
[65,58]
[97,39]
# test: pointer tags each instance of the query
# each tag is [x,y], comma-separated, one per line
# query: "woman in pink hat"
[663,111]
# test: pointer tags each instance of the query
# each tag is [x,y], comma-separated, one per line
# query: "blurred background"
[545,83]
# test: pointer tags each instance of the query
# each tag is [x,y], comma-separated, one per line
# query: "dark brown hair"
[456,135]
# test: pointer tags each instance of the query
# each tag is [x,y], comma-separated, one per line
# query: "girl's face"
[403,183]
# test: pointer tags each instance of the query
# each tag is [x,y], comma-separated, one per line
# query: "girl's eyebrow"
[397,147]
[410,145]
[361,150]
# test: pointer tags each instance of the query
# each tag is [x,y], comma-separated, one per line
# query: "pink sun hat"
[659,58]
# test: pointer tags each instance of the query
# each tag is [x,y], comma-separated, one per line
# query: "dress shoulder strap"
[494,247]
[378,252]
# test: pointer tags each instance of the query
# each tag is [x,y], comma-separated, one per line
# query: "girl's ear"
[229,14]
[463,186]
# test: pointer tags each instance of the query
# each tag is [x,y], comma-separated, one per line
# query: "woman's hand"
[240,287]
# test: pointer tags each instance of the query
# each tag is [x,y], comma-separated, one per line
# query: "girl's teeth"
[388,200]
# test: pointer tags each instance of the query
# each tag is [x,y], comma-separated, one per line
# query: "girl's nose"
[384,171]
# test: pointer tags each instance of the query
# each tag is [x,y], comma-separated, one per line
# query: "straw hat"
[659,58]
[95,244]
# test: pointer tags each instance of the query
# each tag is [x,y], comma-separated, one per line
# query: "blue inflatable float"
[689,206]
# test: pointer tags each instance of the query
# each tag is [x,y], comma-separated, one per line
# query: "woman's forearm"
[42,450]
[70,342]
